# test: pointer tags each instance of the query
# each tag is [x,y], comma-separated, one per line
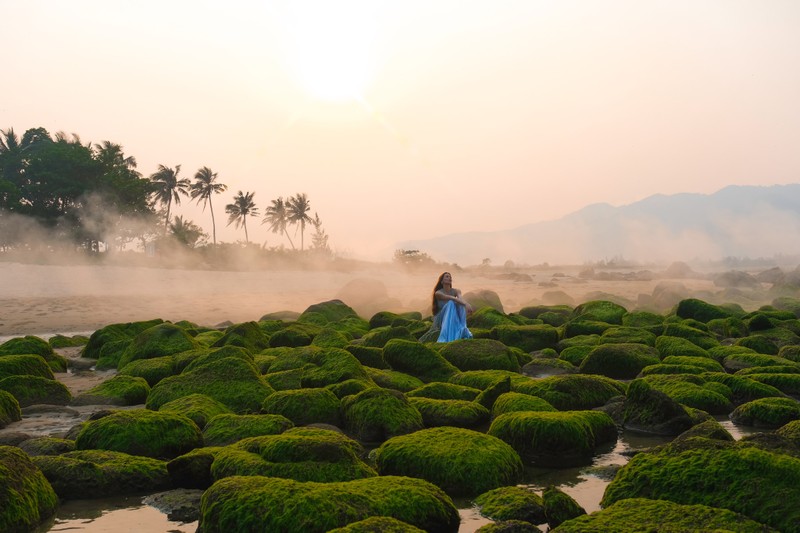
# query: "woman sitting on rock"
[449,313]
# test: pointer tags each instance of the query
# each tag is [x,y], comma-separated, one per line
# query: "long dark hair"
[439,285]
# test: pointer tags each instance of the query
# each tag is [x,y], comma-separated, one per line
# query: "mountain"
[737,221]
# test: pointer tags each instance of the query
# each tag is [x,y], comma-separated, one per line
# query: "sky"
[417,119]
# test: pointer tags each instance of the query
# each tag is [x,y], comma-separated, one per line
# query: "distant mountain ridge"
[737,221]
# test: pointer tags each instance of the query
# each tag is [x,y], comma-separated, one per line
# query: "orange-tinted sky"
[413,119]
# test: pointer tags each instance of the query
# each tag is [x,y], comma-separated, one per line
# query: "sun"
[328,47]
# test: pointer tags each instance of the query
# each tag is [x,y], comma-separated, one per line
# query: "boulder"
[9,409]
[118,390]
[417,360]
[198,408]
[31,344]
[304,406]
[27,497]
[560,506]
[649,410]
[25,365]
[512,402]
[769,413]
[31,390]
[376,414]
[227,428]
[455,413]
[572,391]
[157,341]
[619,361]
[512,503]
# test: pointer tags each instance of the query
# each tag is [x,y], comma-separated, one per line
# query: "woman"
[449,312]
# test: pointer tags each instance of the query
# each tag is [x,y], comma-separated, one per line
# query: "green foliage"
[27,497]
[227,428]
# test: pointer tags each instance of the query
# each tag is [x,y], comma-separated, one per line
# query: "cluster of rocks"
[330,422]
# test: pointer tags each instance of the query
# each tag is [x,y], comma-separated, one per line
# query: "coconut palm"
[187,232]
[168,188]
[242,207]
[203,187]
[297,208]
[278,218]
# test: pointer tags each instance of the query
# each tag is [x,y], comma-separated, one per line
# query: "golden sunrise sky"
[412,119]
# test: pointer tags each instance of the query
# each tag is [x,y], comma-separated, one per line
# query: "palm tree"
[277,218]
[297,208]
[242,207]
[168,188]
[203,187]
[187,232]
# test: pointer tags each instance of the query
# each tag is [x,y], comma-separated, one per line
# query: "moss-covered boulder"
[554,438]
[527,338]
[770,413]
[619,361]
[700,310]
[152,370]
[710,429]
[118,390]
[480,354]
[455,413]
[416,359]
[642,515]
[627,334]
[649,410]
[488,317]
[743,389]
[378,337]
[739,361]
[32,344]
[512,503]
[694,391]
[331,338]
[706,363]
[227,428]
[490,394]
[247,335]
[198,408]
[349,387]
[760,485]
[584,329]
[232,382]
[141,432]
[321,366]
[482,379]
[62,341]
[293,335]
[378,524]
[121,332]
[194,359]
[696,336]
[331,310]
[559,506]
[192,470]
[678,346]
[512,402]
[791,431]
[392,379]
[237,503]
[444,391]
[460,461]
[31,390]
[600,310]
[46,446]
[101,474]
[788,383]
[304,406]
[571,392]
[26,497]
[157,341]
[376,414]
[368,355]
[9,409]
[25,365]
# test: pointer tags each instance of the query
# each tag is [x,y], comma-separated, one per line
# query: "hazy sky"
[412,119]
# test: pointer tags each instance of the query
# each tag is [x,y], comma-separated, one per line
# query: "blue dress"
[452,322]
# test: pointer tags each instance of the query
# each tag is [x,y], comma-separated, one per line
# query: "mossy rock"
[791,431]
[770,413]
[198,358]
[528,338]
[199,408]
[650,410]
[512,503]
[775,369]
[559,506]
[86,474]
[247,335]
[571,391]
[207,338]
[582,327]
[25,365]
[27,497]
[700,310]
[387,318]
[460,461]
[418,360]
[626,334]
[578,340]
[670,369]
[482,379]
[9,409]
[141,432]
[292,336]
[32,344]
[378,524]
[118,390]
[692,392]
[600,310]
[286,379]
[304,406]
[786,383]
[710,429]
[508,526]
[536,311]
[642,515]
[554,438]
[319,507]
[394,380]
[301,454]
[376,414]
[111,353]
[192,470]
[151,370]
[330,338]
[455,413]
[331,310]
[512,402]
[548,366]
[743,389]
[696,336]
[488,317]
[619,361]
[349,387]
[728,327]
[792,353]
[743,480]
[62,341]
[378,337]
[490,394]
[480,354]
[47,446]
[232,382]
[115,333]
[368,355]
[157,341]
[32,390]
[575,355]
[444,391]
[321,366]
[759,344]
[227,428]
[677,346]
[644,319]
[706,363]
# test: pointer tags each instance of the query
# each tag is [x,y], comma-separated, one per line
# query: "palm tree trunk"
[302,231]
[288,237]
[246,238]
[213,224]
[166,220]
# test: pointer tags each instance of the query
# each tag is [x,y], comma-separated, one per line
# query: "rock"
[28,498]
[34,345]
[417,360]
[375,415]
[560,506]
[225,429]
[455,413]
[180,505]
[651,411]
[304,406]
[118,390]
[512,503]
[199,408]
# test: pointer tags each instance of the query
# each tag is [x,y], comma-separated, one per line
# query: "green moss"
[560,506]
[650,410]
[417,360]
[378,337]
[157,341]
[767,412]
[375,415]
[578,340]
[61,341]
[455,413]
[670,369]
[619,361]
[227,428]
[302,454]
[644,319]
[9,409]
[678,346]
[600,310]
[460,461]
[348,387]
[111,353]
[512,503]
[199,408]
[786,383]
[330,338]
[31,390]
[192,470]
[25,365]
[293,336]
[141,432]
[575,354]
[204,357]
[571,392]
[31,344]
[527,338]
[759,344]
[207,338]
[232,382]
[27,497]
[247,335]
[710,429]
[444,391]
[791,431]
[554,438]
[775,369]
[368,355]
[331,310]
[115,333]
[744,389]
[482,379]
[691,392]
[151,370]
[488,318]
[47,446]
[479,354]
[391,379]
[728,327]
[536,311]
[118,390]
[304,406]
[584,328]
[625,334]
[719,353]
[378,524]
[702,362]
[237,503]
[641,515]
[102,474]
[287,379]
[696,336]
[700,310]
[791,353]
[321,366]
[511,402]
[761,485]
[489,395]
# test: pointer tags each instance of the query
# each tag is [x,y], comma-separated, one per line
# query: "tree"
[168,188]
[203,187]
[242,207]
[187,232]
[297,208]
[319,240]
[277,217]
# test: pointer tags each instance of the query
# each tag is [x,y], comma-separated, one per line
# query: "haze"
[410,120]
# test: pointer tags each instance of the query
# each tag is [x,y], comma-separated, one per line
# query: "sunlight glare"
[328,47]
